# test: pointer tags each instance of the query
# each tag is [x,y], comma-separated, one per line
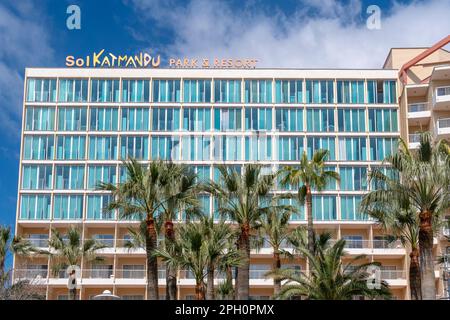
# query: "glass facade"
[89,125]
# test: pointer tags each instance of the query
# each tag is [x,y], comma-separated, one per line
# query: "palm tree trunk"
[276,267]
[152,262]
[310,219]
[199,291]
[244,270]
[210,283]
[427,277]
[171,273]
[229,276]
[414,275]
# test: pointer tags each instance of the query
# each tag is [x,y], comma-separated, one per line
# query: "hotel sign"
[104,59]
[215,63]
[109,60]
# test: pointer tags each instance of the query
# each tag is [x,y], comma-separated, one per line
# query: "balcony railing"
[130,274]
[392,274]
[258,273]
[30,274]
[38,243]
[98,273]
[417,107]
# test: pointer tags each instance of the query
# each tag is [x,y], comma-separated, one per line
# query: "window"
[165,148]
[102,148]
[197,119]
[166,91]
[320,120]
[324,207]
[203,173]
[134,147]
[71,148]
[40,119]
[104,119]
[390,172]
[353,241]
[319,91]
[289,119]
[69,177]
[379,91]
[135,119]
[227,91]
[105,90]
[380,148]
[166,119]
[289,91]
[35,207]
[350,92]
[258,118]
[133,297]
[36,177]
[351,120]
[41,90]
[95,207]
[196,90]
[383,120]
[38,148]
[227,119]
[72,119]
[68,207]
[105,239]
[227,148]
[299,213]
[73,90]
[352,149]
[97,174]
[136,90]
[196,148]
[350,208]
[290,148]
[327,143]
[258,91]
[353,178]
[258,148]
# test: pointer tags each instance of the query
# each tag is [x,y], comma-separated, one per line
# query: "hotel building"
[79,124]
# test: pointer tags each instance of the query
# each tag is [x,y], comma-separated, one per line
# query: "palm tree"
[191,253]
[329,278]
[424,182]
[240,198]
[69,250]
[309,175]
[141,195]
[275,226]
[402,223]
[179,190]
[219,239]
[12,245]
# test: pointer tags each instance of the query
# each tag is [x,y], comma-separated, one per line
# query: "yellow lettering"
[96,57]
[156,63]
[121,59]
[70,61]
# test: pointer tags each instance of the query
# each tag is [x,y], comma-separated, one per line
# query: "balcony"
[442,129]
[419,113]
[441,98]
[34,276]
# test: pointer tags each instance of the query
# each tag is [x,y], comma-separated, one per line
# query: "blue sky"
[283,33]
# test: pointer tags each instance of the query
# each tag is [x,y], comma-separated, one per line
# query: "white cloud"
[23,42]
[333,37]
